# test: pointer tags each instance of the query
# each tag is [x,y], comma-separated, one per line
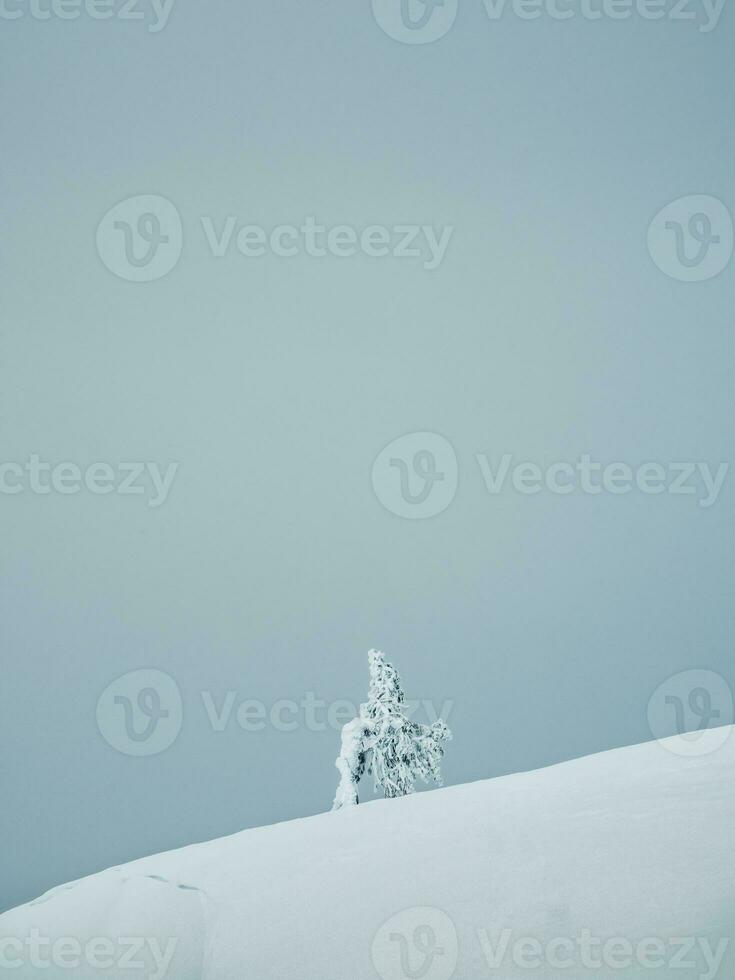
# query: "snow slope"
[616,865]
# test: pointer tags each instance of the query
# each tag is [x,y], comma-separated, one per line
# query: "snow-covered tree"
[385,743]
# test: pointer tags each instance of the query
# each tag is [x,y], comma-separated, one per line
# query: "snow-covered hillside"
[616,865]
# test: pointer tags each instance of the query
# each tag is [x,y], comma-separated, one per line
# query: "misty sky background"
[547,332]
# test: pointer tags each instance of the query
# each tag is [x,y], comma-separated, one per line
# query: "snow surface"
[633,844]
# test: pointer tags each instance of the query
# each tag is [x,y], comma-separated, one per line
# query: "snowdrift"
[616,865]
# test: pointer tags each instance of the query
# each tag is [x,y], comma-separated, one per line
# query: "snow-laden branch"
[383,742]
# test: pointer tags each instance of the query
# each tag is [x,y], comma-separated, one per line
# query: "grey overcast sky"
[454,240]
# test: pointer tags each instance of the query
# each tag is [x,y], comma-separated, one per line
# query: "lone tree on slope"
[383,741]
